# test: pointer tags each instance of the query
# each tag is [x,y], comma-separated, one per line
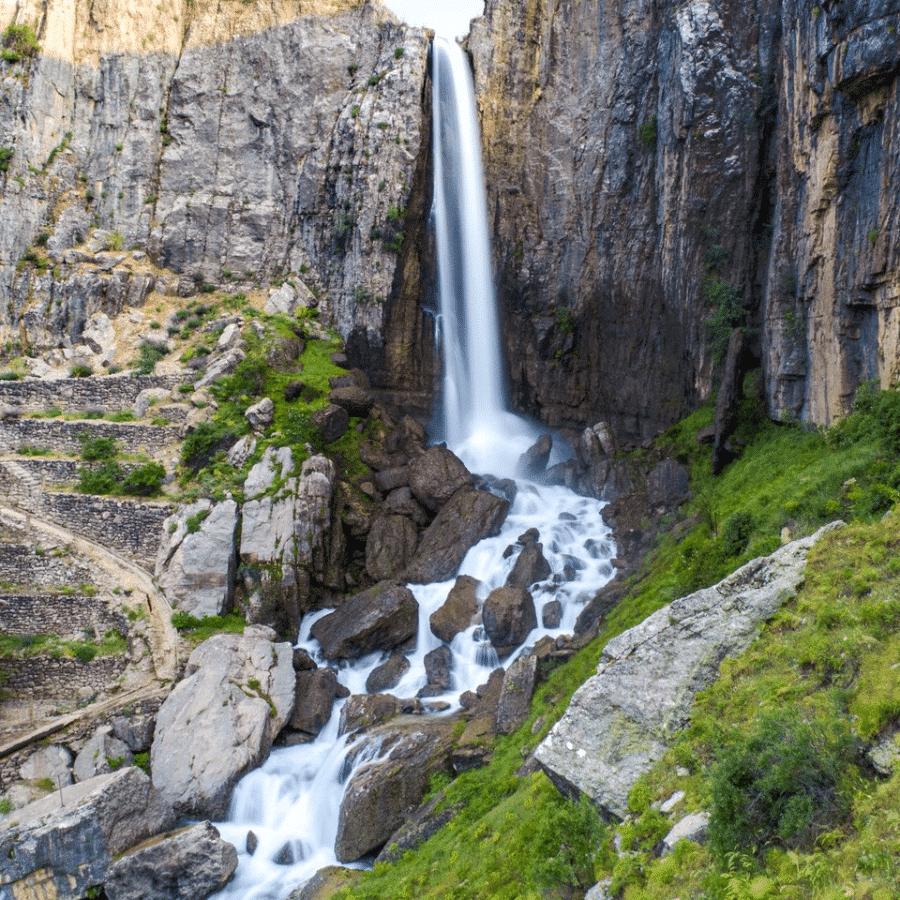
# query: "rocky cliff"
[660,172]
[235,143]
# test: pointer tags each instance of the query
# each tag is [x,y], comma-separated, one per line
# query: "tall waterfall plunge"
[292,803]
[476,424]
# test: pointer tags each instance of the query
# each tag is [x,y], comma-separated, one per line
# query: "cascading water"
[292,802]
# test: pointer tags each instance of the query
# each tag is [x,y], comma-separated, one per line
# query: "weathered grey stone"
[390,546]
[260,415]
[533,461]
[101,754]
[135,731]
[622,719]
[53,762]
[438,670]
[364,711]
[509,617]
[274,463]
[196,569]
[314,697]
[467,517]
[690,828]
[61,851]
[220,720]
[551,614]
[386,676]
[531,565]
[458,610]
[241,451]
[381,618]
[515,698]
[190,864]
[402,503]
[331,422]
[382,793]
[355,399]
[436,475]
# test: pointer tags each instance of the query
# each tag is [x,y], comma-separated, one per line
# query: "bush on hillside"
[204,442]
[781,785]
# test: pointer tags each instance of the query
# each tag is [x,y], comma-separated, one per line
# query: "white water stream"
[292,802]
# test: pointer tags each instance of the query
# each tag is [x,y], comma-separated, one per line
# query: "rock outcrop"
[188,865]
[221,719]
[620,721]
[63,851]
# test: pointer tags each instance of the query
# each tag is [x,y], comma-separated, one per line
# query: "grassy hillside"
[775,749]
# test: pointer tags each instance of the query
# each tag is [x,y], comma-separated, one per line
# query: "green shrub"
[6,156]
[9,376]
[19,42]
[148,356]
[781,785]
[736,534]
[648,133]
[84,652]
[101,479]
[204,442]
[192,523]
[727,314]
[81,371]
[94,449]
[144,480]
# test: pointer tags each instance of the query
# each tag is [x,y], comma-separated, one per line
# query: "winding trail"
[129,577]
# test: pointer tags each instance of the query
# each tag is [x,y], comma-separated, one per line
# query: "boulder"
[53,762]
[401,502]
[515,698]
[531,565]
[388,674]
[621,721]
[135,731]
[331,422]
[463,521]
[190,864]
[390,546]
[364,711]
[691,828]
[509,617]
[148,399]
[221,719]
[390,479]
[551,614]
[533,461]
[196,562]
[381,618]
[436,475]
[355,399]
[314,697]
[230,336]
[101,754]
[241,451]
[261,414]
[458,609]
[275,463]
[473,749]
[381,794]
[100,335]
[62,851]
[438,667]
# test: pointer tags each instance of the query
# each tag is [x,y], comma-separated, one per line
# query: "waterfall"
[475,421]
[292,802]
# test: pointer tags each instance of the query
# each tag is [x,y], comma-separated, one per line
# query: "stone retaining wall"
[62,678]
[62,614]
[22,565]
[130,527]
[110,393]
[62,436]
[60,472]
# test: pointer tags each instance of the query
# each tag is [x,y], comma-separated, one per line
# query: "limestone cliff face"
[236,143]
[654,166]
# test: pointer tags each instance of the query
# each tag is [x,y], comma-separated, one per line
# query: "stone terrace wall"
[58,472]
[45,677]
[56,614]
[130,527]
[109,392]
[23,566]
[62,436]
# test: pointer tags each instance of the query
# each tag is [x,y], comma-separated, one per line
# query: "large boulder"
[380,618]
[509,616]
[362,712]
[467,517]
[353,398]
[102,753]
[531,565]
[533,461]
[388,674]
[436,475]
[438,672]
[381,794]
[620,721]
[314,693]
[221,719]
[53,762]
[62,851]
[515,698]
[195,565]
[190,864]
[331,422]
[458,610]
[390,546]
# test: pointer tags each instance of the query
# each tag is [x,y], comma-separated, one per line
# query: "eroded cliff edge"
[658,172]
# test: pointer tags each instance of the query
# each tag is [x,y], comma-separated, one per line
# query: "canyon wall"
[659,172]
[235,143]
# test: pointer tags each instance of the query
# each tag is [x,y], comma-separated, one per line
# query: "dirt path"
[138,594]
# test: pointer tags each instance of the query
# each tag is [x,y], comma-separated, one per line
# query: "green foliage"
[648,133]
[566,840]
[115,241]
[783,784]
[736,533]
[204,442]
[192,523]
[81,371]
[83,651]
[565,321]
[198,630]
[94,449]
[19,42]
[148,356]
[728,313]
[144,480]
[102,479]
[9,376]
[6,157]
